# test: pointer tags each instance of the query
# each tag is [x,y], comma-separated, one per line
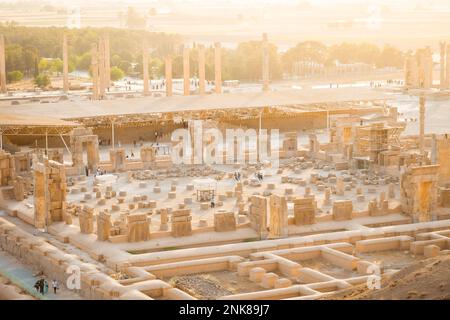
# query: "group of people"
[130,156]
[41,286]
[99,172]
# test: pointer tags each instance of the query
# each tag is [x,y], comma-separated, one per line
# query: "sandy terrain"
[427,279]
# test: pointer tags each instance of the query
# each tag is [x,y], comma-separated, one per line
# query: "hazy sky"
[405,23]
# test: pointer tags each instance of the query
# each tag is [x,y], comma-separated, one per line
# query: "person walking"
[45,286]
[41,285]
[55,285]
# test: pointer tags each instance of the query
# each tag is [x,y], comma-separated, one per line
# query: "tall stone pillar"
[428,69]
[101,68]
[447,77]
[201,68]
[168,69]
[265,64]
[94,71]
[218,67]
[107,62]
[422,124]
[65,65]
[2,65]
[145,67]
[186,71]
[442,82]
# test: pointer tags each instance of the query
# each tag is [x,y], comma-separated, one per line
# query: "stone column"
[101,68]
[168,67]
[422,124]
[265,64]
[186,70]
[442,82]
[2,65]
[94,71]
[218,67]
[428,69]
[145,67]
[107,62]
[447,77]
[201,68]
[65,65]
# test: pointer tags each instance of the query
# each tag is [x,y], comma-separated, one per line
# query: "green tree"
[390,57]
[44,65]
[116,73]
[84,61]
[14,76]
[42,80]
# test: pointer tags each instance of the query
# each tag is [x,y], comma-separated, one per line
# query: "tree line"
[34,51]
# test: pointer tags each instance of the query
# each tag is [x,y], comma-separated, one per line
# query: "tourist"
[55,285]
[45,286]
[40,285]
[37,286]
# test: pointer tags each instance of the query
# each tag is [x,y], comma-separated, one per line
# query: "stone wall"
[224,221]
[304,211]
[138,227]
[278,217]
[49,192]
[118,158]
[258,214]
[7,168]
[342,210]
[418,191]
[181,223]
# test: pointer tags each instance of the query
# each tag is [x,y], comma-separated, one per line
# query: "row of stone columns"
[445,66]
[419,69]
[201,69]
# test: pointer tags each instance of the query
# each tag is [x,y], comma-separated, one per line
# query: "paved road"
[23,277]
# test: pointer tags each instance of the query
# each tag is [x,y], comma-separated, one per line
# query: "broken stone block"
[342,210]
[431,251]
[204,206]
[172,195]
[142,185]
[256,274]
[122,193]
[282,283]
[268,280]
